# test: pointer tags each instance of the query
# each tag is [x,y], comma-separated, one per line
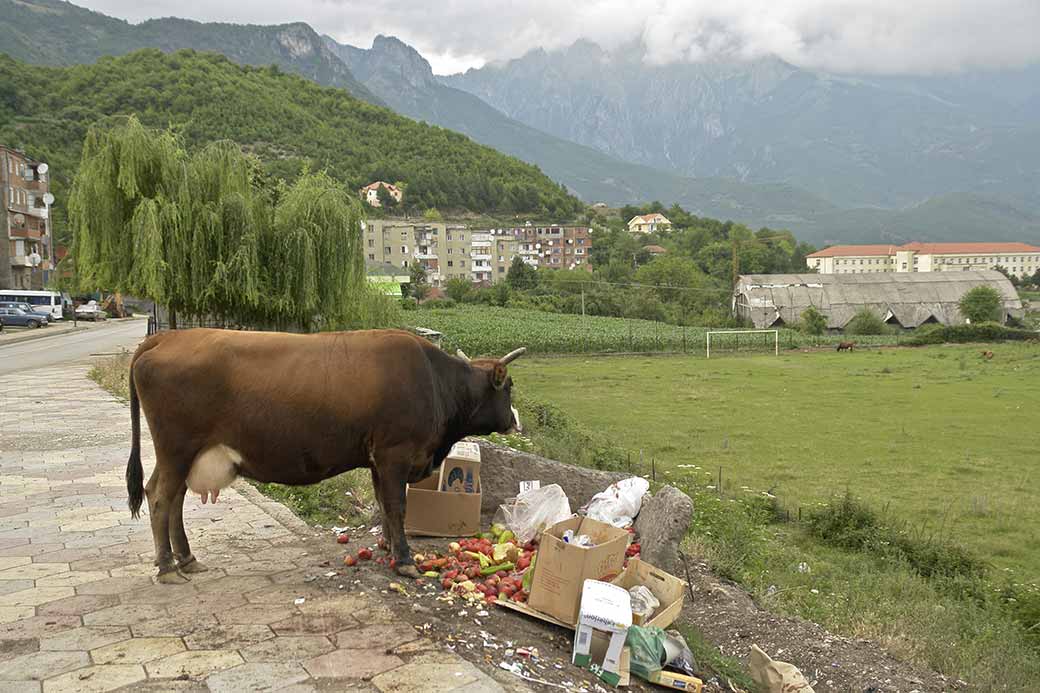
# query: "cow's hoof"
[192,566]
[172,577]
[408,570]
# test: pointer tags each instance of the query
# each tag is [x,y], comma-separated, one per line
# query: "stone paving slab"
[79,610]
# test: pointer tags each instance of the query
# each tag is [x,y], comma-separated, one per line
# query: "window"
[462,263]
[501,269]
[579,251]
[371,242]
[387,250]
[449,251]
[371,256]
[451,263]
[449,235]
[404,250]
[581,241]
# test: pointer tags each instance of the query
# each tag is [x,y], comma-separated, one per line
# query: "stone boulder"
[662,523]
[502,469]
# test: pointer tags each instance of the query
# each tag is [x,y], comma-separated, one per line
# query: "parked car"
[90,311]
[16,317]
[45,316]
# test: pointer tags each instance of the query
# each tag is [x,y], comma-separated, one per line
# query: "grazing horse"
[846,346]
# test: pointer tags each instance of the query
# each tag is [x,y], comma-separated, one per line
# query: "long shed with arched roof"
[904,299]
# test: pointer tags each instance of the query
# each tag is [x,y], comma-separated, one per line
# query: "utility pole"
[583,300]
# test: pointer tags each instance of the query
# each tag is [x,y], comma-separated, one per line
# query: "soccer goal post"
[736,334]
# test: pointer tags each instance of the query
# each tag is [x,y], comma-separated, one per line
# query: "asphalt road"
[107,337]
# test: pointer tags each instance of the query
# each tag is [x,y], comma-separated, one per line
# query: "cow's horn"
[461,354]
[512,356]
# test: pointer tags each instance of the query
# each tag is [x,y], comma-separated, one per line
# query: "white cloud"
[886,36]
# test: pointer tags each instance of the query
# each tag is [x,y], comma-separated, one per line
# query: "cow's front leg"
[393,479]
[376,486]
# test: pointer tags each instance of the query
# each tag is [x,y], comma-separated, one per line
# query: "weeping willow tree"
[201,234]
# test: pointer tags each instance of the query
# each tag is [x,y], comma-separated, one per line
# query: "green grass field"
[936,437]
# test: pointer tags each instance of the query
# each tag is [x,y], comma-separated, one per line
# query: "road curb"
[39,333]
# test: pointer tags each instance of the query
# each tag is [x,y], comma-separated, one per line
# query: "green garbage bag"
[647,654]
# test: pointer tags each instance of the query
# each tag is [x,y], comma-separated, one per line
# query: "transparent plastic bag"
[533,511]
[619,503]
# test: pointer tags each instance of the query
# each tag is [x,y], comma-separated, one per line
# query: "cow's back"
[276,396]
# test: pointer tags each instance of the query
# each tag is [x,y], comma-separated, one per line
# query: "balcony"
[478,256]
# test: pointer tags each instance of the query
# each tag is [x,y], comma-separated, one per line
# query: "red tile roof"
[926,248]
[654,249]
[855,251]
[968,248]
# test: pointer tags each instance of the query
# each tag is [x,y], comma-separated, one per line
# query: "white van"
[44,301]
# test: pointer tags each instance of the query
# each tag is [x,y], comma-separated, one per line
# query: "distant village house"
[649,223]
[370,193]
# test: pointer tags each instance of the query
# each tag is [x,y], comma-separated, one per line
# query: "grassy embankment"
[938,562]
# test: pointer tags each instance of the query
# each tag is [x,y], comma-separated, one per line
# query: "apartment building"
[453,251]
[1019,259]
[26,241]
[555,247]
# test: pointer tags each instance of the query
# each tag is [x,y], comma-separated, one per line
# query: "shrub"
[848,524]
[865,321]
[813,321]
[981,304]
[978,332]
[457,289]
[439,304]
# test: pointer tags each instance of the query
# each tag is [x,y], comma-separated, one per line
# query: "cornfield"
[489,331]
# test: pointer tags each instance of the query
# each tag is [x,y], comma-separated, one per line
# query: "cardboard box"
[600,640]
[460,472]
[605,608]
[669,590]
[561,569]
[433,511]
[682,682]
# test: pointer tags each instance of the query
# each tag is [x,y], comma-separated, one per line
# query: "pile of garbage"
[581,571]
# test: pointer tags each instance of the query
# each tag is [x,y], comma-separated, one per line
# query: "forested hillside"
[289,122]
[52,32]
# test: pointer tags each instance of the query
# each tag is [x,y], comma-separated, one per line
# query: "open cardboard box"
[669,590]
[433,511]
[561,568]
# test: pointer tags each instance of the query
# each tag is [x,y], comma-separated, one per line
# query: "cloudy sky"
[876,36]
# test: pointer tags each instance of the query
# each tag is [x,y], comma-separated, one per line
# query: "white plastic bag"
[620,503]
[644,602]
[534,511]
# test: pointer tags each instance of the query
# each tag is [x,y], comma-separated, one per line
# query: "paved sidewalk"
[79,610]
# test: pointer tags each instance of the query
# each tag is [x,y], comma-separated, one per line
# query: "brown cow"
[846,346]
[987,355]
[297,409]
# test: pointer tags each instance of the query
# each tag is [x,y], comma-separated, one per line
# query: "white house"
[649,223]
[370,193]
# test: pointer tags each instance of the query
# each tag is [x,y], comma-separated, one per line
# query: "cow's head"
[494,411]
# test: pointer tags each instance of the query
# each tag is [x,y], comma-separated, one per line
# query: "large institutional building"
[1020,259]
[452,251]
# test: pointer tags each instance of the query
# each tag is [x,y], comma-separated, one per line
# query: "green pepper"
[525,583]
[492,569]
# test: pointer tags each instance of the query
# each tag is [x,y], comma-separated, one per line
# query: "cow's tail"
[134,470]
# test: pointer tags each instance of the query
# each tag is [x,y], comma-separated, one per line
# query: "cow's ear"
[498,376]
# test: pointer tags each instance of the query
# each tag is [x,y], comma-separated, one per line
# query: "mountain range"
[832,158]
[853,140]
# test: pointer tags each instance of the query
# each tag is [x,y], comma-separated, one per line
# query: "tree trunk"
[173,318]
